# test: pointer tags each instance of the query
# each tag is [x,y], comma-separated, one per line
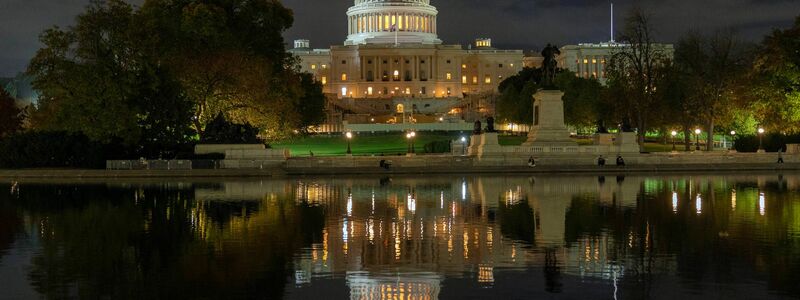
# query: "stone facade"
[590,60]
[393,65]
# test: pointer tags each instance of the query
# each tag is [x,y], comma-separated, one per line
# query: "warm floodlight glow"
[697,131]
[733,132]
[760,130]
[674,133]
[349,135]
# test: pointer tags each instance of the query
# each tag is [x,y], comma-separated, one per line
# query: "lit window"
[324,80]
[474,79]
[594,61]
[344,76]
[324,67]
[488,79]
[313,67]
[408,91]
[400,108]
[369,91]
[585,61]
[511,65]
[344,91]
[449,76]
[464,79]
[463,66]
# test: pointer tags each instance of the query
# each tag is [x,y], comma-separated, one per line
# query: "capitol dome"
[390,21]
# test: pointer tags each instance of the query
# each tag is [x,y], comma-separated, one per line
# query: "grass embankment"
[397,144]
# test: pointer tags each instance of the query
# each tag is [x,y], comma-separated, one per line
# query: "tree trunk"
[687,139]
[710,136]
[642,131]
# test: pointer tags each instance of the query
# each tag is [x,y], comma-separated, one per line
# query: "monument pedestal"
[485,145]
[627,142]
[548,121]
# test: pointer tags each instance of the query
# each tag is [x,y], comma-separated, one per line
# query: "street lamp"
[674,133]
[733,139]
[413,134]
[760,139]
[349,136]
[697,139]
[463,145]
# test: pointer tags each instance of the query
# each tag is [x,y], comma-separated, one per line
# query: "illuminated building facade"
[591,60]
[393,68]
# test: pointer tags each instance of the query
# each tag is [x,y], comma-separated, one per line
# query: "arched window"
[344,76]
[396,75]
[400,109]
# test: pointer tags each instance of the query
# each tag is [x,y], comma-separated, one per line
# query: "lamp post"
[697,139]
[413,134]
[463,145]
[673,133]
[760,139]
[349,136]
[733,139]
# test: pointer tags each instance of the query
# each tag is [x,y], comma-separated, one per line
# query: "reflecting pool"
[434,237]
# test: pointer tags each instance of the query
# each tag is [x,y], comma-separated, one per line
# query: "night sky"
[518,24]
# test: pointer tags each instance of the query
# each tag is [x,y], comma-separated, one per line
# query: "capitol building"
[393,73]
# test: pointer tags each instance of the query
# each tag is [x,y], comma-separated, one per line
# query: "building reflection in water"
[403,238]
[400,241]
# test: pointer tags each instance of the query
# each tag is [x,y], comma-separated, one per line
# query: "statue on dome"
[549,66]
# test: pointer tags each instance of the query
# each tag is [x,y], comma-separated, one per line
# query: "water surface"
[437,237]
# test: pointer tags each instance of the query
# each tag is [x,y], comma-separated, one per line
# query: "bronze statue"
[601,126]
[490,125]
[549,66]
[477,129]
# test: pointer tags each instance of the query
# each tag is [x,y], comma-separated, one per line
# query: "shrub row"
[772,142]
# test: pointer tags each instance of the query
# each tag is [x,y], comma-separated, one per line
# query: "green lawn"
[396,143]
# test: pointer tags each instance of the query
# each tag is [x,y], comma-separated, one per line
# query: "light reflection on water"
[406,238]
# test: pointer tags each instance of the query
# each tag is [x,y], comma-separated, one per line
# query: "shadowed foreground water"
[688,237]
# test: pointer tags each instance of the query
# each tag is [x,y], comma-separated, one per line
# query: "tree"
[712,69]
[515,103]
[581,100]
[10,115]
[634,70]
[775,81]
[229,57]
[155,75]
[87,75]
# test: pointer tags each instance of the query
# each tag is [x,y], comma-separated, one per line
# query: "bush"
[220,131]
[437,147]
[772,142]
[51,150]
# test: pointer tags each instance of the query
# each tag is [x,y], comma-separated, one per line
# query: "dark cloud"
[525,24]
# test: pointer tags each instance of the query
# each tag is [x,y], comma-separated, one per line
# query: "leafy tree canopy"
[157,74]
